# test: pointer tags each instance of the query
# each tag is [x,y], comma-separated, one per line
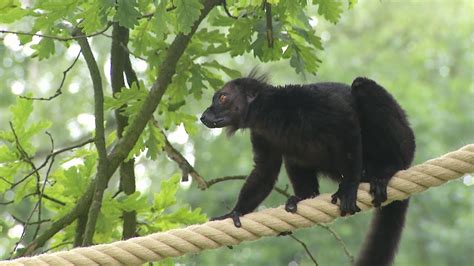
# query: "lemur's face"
[227,107]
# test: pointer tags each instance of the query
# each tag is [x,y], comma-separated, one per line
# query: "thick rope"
[269,222]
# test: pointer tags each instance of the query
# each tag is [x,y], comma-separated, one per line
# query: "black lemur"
[351,134]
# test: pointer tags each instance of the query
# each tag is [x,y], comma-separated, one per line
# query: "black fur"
[351,135]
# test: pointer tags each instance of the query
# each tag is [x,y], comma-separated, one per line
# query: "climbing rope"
[269,222]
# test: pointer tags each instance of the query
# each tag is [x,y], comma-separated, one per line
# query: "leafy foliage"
[427,69]
[43,179]
[161,214]
[18,146]
[330,9]
[187,11]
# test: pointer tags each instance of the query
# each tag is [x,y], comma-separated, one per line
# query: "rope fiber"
[269,222]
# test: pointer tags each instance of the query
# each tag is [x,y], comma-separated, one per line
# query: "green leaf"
[330,9]
[131,97]
[217,19]
[37,128]
[240,36]
[73,181]
[187,12]
[127,13]
[133,202]
[212,78]
[138,148]
[109,220]
[159,20]
[178,90]
[44,49]
[189,123]
[7,155]
[95,16]
[6,4]
[54,12]
[21,111]
[26,188]
[141,36]
[303,57]
[297,16]
[11,11]
[183,216]
[154,142]
[197,84]
[352,3]
[206,43]
[8,171]
[166,197]
[232,73]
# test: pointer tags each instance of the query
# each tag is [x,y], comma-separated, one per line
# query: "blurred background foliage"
[421,51]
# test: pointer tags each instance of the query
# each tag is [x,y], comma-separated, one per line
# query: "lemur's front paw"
[292,204]
[233,214]
[347,195]
[378,189]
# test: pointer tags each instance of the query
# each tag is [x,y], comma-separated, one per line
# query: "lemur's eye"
[222,99]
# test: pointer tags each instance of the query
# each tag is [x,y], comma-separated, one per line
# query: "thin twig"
[24,155]
[29,223]
[58,38]
[125,48]
[51,155]
[39,188]
[339,239]
[305,248]
[284,191]
[226,10]
[41,191]
[57,246]
[45,196]
[6,180]
[59,89]
[225,178]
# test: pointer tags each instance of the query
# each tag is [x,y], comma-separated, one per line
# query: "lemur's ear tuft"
[257,75]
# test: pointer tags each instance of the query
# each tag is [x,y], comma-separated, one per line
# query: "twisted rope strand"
[269,222]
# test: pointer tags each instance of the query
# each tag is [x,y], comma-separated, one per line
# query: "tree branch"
[183,164]
[123,147]
[118,61]
[99,140]
[80,229]
[268,13]
[176,49]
